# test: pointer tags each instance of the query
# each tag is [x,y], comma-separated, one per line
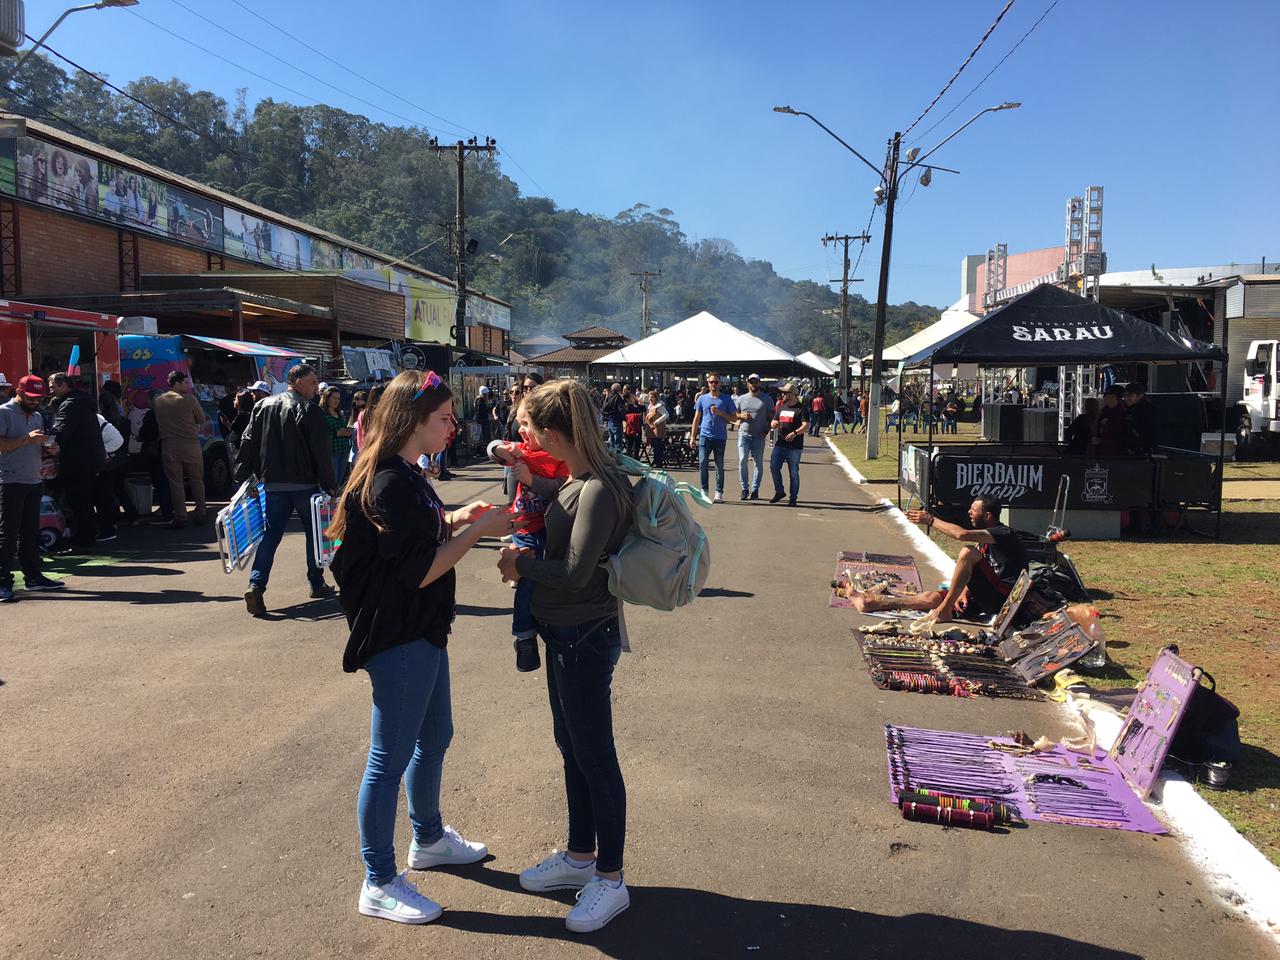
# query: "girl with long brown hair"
[395,573]
[577,617]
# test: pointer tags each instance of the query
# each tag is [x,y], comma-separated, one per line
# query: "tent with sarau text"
[1049,326]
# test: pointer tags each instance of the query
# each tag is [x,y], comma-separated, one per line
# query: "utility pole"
[882,300]
[460,249]
[644,276]
[844,305]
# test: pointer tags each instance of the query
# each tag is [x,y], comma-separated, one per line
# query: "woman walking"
[577,617]
[339,433]
[396,580]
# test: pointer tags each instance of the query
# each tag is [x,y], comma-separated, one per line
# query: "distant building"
[585,348]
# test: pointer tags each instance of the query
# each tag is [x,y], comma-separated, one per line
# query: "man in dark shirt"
[1141,423]
[985,569]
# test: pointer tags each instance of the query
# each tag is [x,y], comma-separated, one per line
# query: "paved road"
[179,780]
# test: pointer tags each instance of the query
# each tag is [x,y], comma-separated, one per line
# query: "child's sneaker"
[449,849]
[527,659]
[598,902]
[557,872]
[398,900]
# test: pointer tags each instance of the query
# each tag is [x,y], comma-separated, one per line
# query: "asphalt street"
[179,780]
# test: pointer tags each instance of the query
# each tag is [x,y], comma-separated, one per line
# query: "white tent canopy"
[702,339]
[954,319]
[811,359]
[855,366]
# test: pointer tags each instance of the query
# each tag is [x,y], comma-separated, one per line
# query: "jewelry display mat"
[850,563]
[1052,786]
[1157,710]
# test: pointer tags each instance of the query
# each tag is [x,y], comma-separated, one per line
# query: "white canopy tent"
[811,359]
[855,365]
[955,319]
[704,342]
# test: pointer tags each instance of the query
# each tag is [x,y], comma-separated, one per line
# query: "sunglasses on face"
[430,383]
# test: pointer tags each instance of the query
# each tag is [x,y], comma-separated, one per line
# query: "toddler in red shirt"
[538,477]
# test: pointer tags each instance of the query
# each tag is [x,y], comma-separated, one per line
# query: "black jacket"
[75,425]
[378,572]
[615,408]
[287,441]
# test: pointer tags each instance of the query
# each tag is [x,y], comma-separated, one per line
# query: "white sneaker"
[449,849]
[557,872]
[598,903]
[719,497]
[398,900]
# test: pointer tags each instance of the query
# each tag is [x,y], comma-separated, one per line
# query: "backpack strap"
[614,563]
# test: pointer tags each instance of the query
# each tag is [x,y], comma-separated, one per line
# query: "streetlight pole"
[887,193]
[13,71]
[882,301]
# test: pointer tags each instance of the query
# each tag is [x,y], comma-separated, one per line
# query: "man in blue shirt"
[712,415]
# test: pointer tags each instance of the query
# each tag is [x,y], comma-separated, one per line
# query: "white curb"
[1235,869]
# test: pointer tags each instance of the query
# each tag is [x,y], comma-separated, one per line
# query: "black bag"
[1210,729]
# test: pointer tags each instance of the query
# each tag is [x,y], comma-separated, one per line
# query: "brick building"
[85,227]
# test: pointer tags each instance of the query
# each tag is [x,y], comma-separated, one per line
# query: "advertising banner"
[1032,482]
[66,180]
[261,241]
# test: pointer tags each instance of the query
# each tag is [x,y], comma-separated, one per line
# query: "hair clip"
[430,383]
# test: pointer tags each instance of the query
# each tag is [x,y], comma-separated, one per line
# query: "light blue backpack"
[664,560]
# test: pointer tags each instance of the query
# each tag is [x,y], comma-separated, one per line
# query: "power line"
[957,106]
[305,73]
[954,76]
[343,66]
[373,83]
[48,111]
[140,102]
[866,231]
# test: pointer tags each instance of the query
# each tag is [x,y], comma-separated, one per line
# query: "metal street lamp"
[100,5]
[887,193]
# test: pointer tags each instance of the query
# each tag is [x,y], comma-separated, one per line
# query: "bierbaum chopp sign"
[1008,481]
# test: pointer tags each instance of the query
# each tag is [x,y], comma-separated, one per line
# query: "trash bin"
[139,486]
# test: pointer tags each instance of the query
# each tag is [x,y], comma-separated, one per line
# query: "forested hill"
[381,186]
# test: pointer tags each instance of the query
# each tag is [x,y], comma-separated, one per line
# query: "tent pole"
[1222,428]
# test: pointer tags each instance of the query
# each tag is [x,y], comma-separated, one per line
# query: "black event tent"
[1049,326]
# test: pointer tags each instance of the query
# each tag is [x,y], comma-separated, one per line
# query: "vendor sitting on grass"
[985,571]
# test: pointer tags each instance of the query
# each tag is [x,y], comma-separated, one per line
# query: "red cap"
[32,386]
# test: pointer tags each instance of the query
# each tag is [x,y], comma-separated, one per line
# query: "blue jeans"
[409,731]
[280,509]
[522,622]
[616,441]
[707,447]
[659,445]
[792,457]
[341,463]
[838,425]
[580,662]
[753,446]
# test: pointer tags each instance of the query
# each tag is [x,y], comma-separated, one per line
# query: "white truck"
[1257,414]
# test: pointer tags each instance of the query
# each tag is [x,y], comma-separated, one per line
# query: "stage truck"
[217,368]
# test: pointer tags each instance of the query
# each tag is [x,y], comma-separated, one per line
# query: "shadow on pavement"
[138,598]
[467,610]
[721,592]
[311,611]
[677,922]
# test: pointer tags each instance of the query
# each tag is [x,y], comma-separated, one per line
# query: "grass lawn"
[1217,601]
[1252,470]
[885,467]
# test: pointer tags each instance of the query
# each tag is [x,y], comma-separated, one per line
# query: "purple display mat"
[858,562]
[964,764]
[1153,721]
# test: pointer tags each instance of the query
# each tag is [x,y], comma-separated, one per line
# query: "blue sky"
[1169,105]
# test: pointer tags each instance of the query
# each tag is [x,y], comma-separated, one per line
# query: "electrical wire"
[960,103]
[140,102]
[47,111]
[294,66]
[866,233]
[342,66]
[373,83]
[972,53]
